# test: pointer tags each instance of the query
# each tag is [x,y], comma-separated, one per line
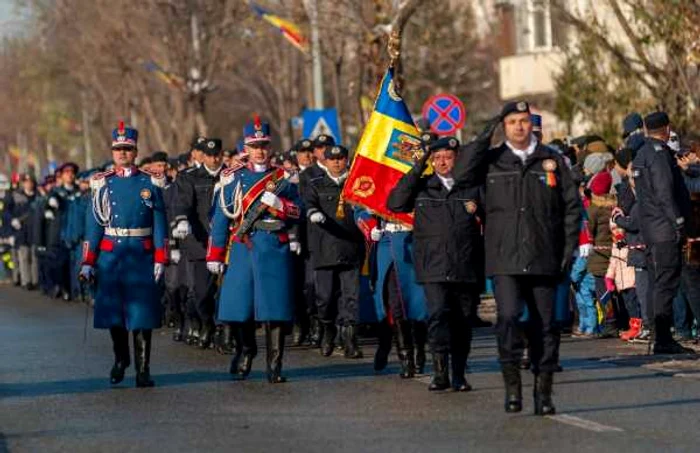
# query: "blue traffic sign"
[318,122]
[445,113]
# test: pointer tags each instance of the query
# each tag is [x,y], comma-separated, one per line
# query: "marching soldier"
[447,235]
[19,209]
[338,253]
[532,220]
[125,253]
[192,206]
[262,208]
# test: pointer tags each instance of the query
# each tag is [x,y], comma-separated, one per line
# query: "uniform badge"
[426,137]
[453,143]
[270,186]
[335,151]
[211,145]
[363,186]
[145,194]
[470,206]
[259,134]
[549,165]
[521,106]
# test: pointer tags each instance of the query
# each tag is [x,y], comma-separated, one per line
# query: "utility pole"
[312,11]
[87,144]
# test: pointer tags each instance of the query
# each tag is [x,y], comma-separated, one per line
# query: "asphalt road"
[55,396]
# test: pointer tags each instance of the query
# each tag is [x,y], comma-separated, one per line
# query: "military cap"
[210,146]
[515,107]
[324,140]
[631,123]
[159,156]
[124,137]
[68,165]
[145,161]
[304,146]
[197,141]
[256,131]
[428,137]
[336,152]
[183,159]
[230,152]
[445,143]
[656,120]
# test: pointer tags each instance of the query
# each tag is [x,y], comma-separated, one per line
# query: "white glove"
[87,273]
[11,241]
[175,256]
[317,217]
[49,215]
[53,202]
[270,199]
[158,271]
[376,234]
[585,250]
[215,267]
[182,229]
[295,247]
[16,224]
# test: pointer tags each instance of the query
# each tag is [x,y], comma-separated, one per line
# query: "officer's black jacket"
[194,192]
[335,242]
[446,230]
[664,202]
[306,175]
[169,200]
[50,229]
[531,227]
[18,206]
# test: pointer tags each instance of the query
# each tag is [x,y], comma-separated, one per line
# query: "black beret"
[336,152]
[515,107]
[631,123]
[324,140]
[656,120]
[159,156]
[445,143]
[183,159]
[210,146]
[304,145]
[624,156]
[145,161]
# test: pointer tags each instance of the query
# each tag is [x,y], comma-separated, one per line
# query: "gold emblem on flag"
[363,186]
[393,94]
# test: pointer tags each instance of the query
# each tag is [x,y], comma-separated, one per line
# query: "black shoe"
[459,367]
[206,336]
[116,375]
[226,342]
[514,388]
[122,360]
[404,349]
[142,357]
[178,336]
[315,333]
[441,375]
[671,347]
[381,357]
[328,341]
[542,394]
[352,350]
[246,364]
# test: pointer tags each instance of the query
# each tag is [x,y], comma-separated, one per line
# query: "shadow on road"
[635,406]
[3,444]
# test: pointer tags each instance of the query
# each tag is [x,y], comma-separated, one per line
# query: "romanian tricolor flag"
[387,151]
[289,30]
[167,77]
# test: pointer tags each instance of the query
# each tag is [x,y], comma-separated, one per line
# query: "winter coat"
[599,213]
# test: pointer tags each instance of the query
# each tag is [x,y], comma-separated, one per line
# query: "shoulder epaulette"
[228,174]
[658,147]
[98,180]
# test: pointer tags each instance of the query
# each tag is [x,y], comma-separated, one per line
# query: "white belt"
[129,232]
[397,228]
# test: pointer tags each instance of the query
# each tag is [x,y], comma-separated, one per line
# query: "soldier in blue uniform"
[125,253]
[262,208]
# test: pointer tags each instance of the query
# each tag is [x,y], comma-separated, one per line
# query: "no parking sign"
[445,113]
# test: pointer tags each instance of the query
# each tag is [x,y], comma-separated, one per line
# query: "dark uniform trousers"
[201,289]
[449,317]
[338,294]
[392,296]
[176,291]
[664,276]
[513,293]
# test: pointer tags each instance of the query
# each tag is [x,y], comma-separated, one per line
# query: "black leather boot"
[352,350]
[514,388]
[122,360]
[227,340]
[441,374]
[459,380]
[404,349]
[315,332]
[301,331]
[525,362]
[249,347]
[179,333]
[381,357]
[328,341]
[142,357]
[420,336]
[543,394]
[274,337]
[192,337]
[206,335]
[237,334]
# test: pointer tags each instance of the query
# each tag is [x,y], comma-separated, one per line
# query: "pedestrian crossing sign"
[325,121]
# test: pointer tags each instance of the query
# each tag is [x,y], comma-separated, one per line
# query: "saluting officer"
[125,253]
[447,235]
[664,208]
[194,192]
[261,207]
[532,215]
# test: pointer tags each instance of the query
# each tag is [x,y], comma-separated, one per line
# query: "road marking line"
[584,424]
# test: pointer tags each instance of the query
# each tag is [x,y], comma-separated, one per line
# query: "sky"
[8,19]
